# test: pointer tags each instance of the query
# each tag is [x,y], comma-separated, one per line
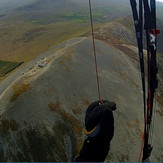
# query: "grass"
[6,67]
[25,36]
[100,15]
[160,101]
[7,125]
[159,112]
[54,106]
[80,16]
[66,116]
[39,144]
[23,41]
[76,109]
[85,102]
[18,89]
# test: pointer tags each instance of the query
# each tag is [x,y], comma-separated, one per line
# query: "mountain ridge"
[51,107]
[43,110]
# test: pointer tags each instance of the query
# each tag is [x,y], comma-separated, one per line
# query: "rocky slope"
[45,122]
[121,35]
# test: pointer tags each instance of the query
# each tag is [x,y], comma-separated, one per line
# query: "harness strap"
[93,132]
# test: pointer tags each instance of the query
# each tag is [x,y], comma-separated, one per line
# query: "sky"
[159,0]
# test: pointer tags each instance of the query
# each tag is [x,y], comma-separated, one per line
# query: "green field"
[100,15]
[6,67]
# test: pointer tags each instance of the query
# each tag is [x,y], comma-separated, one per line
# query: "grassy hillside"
[23,41]
[35,26]
[51,110]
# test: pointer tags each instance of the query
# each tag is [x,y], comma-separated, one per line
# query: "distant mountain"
[6,5]
[52,9]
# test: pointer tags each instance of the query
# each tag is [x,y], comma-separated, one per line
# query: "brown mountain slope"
[45,122]
[121,35]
